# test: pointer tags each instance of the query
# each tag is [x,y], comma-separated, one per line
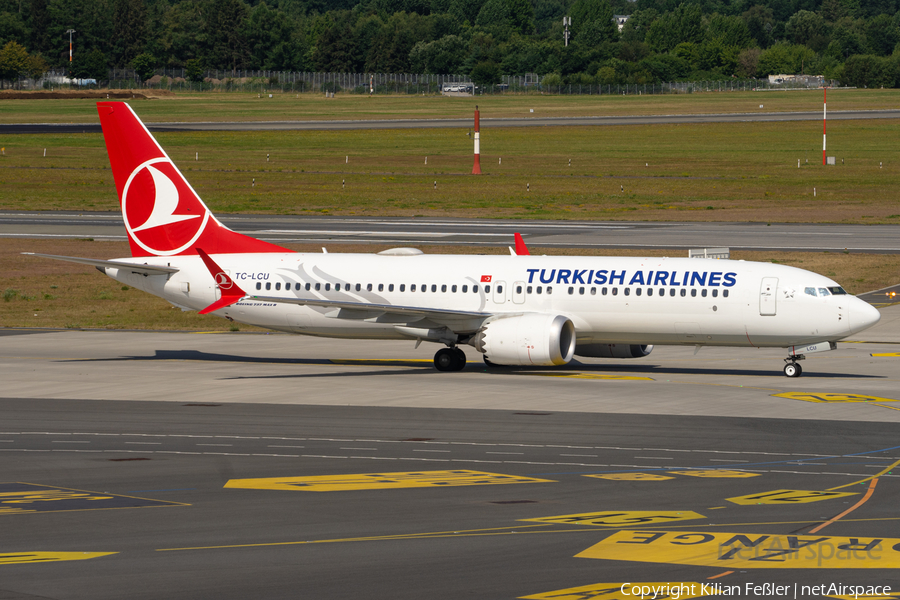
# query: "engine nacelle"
[613,350]
[529,339]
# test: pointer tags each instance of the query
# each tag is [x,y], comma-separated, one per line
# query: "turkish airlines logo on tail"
[162,214]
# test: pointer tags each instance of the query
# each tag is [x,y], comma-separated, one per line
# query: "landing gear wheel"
[792,370]
[449,359]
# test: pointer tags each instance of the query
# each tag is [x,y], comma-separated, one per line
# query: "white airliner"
[515,310]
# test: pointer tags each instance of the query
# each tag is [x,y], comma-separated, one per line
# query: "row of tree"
[662,40]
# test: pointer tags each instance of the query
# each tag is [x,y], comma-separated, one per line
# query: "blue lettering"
[577,276]
[549,279]
[661,277]
[638,279]
[531,273]
[674,278]
[590,276]
[714,279]
[563,276]
[600,277]
[729,279]
[698,278]
[613,277]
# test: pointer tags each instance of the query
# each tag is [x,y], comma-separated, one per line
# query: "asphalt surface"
[882,239]
[184,461]
[62,128]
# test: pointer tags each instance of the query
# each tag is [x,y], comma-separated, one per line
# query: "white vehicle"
[515,310]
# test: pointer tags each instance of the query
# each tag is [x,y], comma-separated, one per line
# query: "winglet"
[230,291]
[521,248]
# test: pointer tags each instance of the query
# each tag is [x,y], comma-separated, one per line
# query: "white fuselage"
[610,300]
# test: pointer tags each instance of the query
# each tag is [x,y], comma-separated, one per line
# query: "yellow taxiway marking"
[748,550]
[18,498]
[787,497]
[891,354]
[862,501]
[884,471]
[17,558]
[632,477]
[628,591]
[591,376]
[824,397]
[716,474]
[612,518]
[886,406]
[381,481]
[891,596]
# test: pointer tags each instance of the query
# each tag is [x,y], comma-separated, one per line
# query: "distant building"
[798,80]
[620,21]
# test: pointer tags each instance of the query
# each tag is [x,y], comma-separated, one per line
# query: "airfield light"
[70,32]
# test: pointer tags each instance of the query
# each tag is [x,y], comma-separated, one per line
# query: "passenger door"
[767,297]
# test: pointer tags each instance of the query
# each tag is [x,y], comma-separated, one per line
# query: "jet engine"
[529,339]
[613,350]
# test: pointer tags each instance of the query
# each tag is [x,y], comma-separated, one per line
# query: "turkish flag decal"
[485,279]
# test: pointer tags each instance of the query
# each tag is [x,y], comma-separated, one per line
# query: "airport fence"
[261,82]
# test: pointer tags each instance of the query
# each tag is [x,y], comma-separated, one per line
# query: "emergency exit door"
[767,297]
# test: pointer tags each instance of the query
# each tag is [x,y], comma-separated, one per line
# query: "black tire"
[792,370]
[446,359]
[461,359]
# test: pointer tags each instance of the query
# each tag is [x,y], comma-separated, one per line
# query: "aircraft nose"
[863,315]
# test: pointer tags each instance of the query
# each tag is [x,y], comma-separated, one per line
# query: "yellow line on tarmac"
[862,501]
[886,406]
[879,474]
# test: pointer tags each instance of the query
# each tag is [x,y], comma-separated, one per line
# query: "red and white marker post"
[476,168]
[824,122]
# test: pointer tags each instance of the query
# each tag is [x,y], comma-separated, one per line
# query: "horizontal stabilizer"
[143,269]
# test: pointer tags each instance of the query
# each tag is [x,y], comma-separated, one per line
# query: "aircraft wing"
[385,312]
[112,264]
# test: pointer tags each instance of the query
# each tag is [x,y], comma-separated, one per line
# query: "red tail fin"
[163,214]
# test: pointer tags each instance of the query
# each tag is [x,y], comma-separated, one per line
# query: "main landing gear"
[792,368]
[450,359]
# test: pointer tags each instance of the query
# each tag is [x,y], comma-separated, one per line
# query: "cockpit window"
[823,292]
[810,291]
[837,291]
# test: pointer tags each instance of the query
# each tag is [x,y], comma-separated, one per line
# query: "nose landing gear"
[792,368]
[450,359]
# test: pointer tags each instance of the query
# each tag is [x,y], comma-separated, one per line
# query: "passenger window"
[424,288]
[465,289]
[571,291]
[539,289]
[380,287]
[487,289]
[672,291]
[499,289]
[297,286]
[703,292]
[715,293]
[368,287]
[433,288]
[683,292]
[327,287]
[724,293]
[693,293]
[444,288]
[259,285]
[528,290]
[823,292]
[615,291]
[581,291]
[810,291]
[391,287]
[627,291]
[662,292]
[358,287]
[402,287]
[453,289]
[474,289]
[337,287]
[268,286]
[518,289]
[637,291]
[549,290]
[603,291]
[593,291]
[278,286]
[307,287]
[412,287]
